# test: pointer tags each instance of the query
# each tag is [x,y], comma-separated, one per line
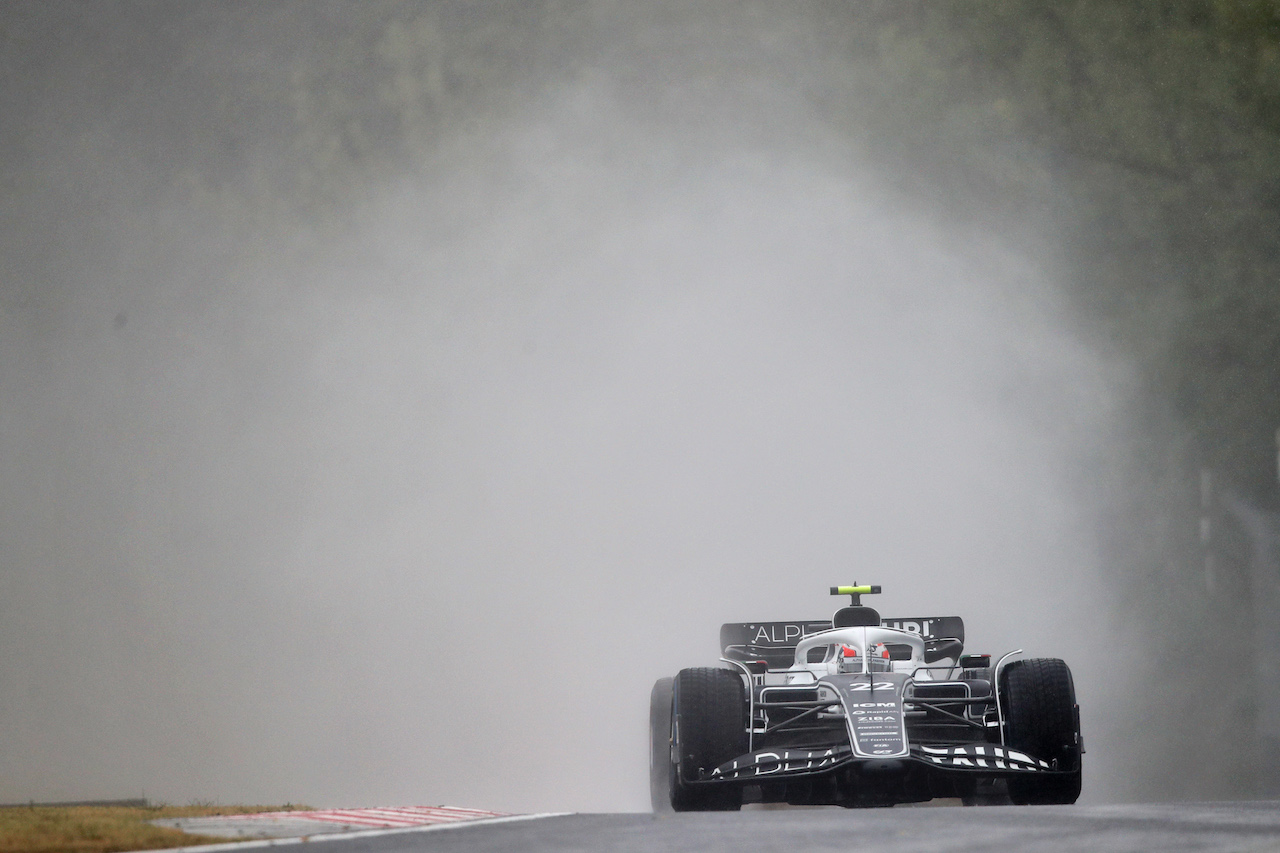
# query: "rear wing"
[775,642]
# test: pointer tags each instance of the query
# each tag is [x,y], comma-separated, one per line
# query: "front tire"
[1043,719]
[709,727]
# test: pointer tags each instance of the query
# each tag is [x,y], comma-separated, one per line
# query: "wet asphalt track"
[1253,826]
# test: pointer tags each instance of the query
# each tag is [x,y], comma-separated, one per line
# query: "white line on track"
[363,833]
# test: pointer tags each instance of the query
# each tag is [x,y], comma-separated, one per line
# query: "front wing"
[982,758]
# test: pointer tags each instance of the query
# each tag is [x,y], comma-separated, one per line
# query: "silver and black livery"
[863,711]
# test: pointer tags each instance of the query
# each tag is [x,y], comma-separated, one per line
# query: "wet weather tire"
[1043,720]
[709,727]
[660,745]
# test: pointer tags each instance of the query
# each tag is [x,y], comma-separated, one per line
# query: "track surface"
[1096,829]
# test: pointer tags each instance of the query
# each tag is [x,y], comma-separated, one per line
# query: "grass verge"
[106,829]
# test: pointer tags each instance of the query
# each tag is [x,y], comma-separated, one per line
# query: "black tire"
[660,745]
[1038,698]
[709,727]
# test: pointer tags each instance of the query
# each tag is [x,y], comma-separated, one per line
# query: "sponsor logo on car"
[780,761]
[784,633]
[910,626]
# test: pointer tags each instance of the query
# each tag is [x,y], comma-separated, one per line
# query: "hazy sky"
[414,510]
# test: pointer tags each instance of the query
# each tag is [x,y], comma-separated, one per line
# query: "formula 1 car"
[863,711]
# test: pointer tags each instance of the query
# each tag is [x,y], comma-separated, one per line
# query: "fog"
[412,506]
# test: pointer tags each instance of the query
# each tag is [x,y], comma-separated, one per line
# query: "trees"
[1152,131]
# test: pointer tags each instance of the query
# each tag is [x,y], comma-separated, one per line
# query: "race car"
[863,711]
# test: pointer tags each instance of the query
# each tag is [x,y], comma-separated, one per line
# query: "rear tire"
[1042,719]
[660,745]
[709,727]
